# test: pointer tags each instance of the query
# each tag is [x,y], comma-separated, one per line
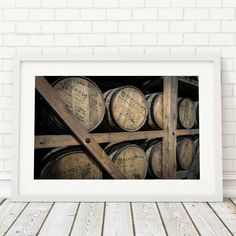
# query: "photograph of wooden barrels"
[139,127]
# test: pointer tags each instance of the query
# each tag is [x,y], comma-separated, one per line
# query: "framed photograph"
[117,128]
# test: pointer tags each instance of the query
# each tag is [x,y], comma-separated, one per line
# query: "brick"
[102,50]
[79,27]
[131,3]
[7,139]
[5,77]
[209,26]
[67,14]
[131,50]
[130,26]
[229,128]
[144,39]
[227,64]
[93,14]
[29,50]
[195,39]
[54,27]
[7,52]
[7,4]
[222,14]
[226,90]
[228,26]
[41,40]
[229,77]
[15,14]
[196,14]
[118,39]
[155,50]
[157,3]
[228,140]
[15,40]
[170,14]
[66,40]
[170,39]
[54,3]
[228,102]
[80,3]
[54,50]
[7,65]
[8,116]
[221,39]
[7,90]
[1,165]
[118,14]
[208,3]
[229,3]
[41,14]
[92,39]
[144,14]
[182,49]
[7,27]
[7,165]
[181,26]
[156,26]
[105,3]
[228,51]
[183,3]
[28,27]
[28,3]
[229,152]
[227,115]
[228,165]
[208,50]
[105,26]
[5,153]
[80,50]
[5,102]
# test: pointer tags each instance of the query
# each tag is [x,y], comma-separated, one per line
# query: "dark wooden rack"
[80,136]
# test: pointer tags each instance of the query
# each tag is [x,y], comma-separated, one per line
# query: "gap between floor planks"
[117,218]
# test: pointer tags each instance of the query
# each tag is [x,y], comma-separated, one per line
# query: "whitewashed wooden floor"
[122,219]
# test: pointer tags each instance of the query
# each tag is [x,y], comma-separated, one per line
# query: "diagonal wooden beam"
[78,131]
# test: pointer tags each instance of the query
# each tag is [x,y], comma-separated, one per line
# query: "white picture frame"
[207,188]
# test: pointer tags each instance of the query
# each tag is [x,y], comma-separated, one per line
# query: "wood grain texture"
[147,220]
[78,131]
[206,220]
[9,212]
[59,220]
[31,219]
[226,211]
[49,141]
[169,166]
[176,220]
[89,220]
[118,220]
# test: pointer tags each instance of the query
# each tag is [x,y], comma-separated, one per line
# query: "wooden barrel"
[196,141]
[196,105]
[69,163]
[185,152]
[129,158]
[82,97]
[186,113]
[153,150]
[126,108]
[155,110]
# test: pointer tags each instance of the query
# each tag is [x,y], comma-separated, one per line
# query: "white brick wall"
[119,26]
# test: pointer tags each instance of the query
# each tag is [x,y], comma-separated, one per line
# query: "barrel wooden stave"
[186,113]
[126,108]
[185,152]
[69,163]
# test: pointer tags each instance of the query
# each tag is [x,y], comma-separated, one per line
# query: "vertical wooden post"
[170,124]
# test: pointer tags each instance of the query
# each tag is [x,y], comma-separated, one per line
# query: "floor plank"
[9,212]
[206,220]
[89,220]
[147,220]
[59,220]
[118,220]
[1,201]
[176,219]
[227,212]
[30,220]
